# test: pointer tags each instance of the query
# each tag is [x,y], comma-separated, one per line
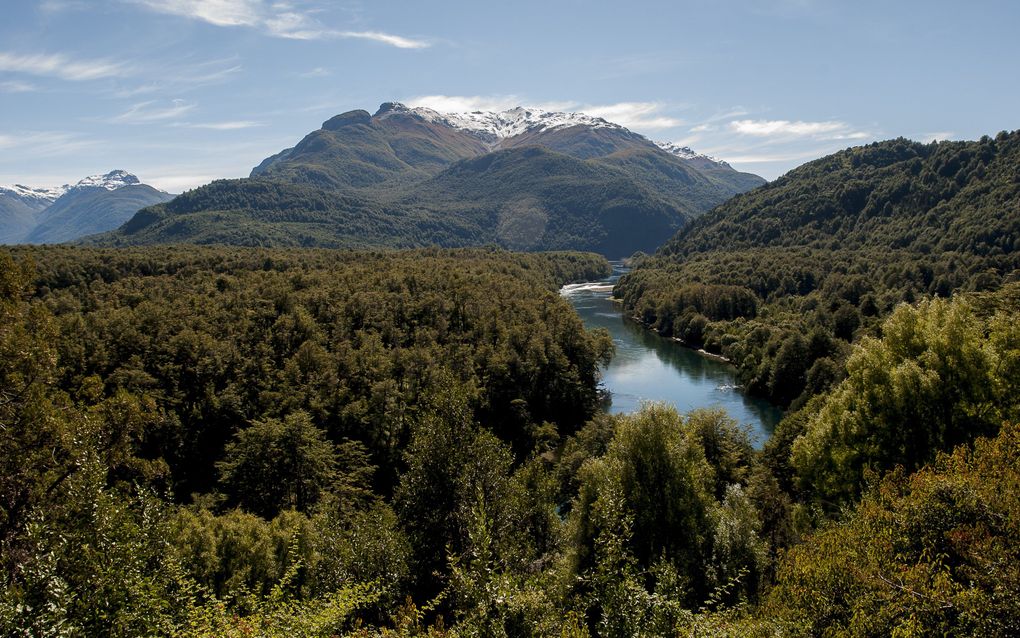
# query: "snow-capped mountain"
[41,197]
[94,204]
[30,196]
[493,126]
[111,181]
[687,153]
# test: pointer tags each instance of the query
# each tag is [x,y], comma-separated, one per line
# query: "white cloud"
[938,136]
[151,111]
[832,129]
[222,13]
[635,115]
[317,72]
[61,66]
[278,19]
[386,38]
[15,86]
[225,126]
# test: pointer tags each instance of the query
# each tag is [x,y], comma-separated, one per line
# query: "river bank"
[649,367]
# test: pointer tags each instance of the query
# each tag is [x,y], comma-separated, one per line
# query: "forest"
[265,442]
[783,279]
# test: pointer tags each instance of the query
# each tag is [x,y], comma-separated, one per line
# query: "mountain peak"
[687,153]
[111,181]
[337,122]
[34,194]
[493,126]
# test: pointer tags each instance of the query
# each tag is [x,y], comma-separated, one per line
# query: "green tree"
[276,464]
[929,553]
[933,381]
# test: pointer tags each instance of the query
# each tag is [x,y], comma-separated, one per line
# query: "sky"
[181,92]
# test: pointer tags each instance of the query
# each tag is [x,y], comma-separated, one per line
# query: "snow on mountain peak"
[111,181]
[45,196]
[34,194]
[493,126]
[687,153]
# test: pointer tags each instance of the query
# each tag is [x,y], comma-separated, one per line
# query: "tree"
[656,476]
[276,464]
[933,381]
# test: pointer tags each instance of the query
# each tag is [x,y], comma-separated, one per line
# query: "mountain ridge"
[96,203]
[415,177]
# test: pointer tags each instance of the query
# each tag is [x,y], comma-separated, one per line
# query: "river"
[647,367]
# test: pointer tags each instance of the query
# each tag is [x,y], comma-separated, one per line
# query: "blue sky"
[181,92]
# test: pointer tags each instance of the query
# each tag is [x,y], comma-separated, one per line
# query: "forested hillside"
[413,178]
[231,442]
[783,278]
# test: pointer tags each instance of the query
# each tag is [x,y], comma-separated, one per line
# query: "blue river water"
[647,367]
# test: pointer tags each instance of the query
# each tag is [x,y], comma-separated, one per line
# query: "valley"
[654,320]
[646,367]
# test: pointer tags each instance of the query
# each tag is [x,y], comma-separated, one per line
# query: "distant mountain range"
[96,204]
[403,177]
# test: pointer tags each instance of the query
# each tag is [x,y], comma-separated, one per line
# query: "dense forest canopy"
[229,442]
[783,278]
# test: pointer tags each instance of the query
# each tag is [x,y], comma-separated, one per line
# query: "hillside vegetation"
[783,278]
[231,442]
[395,179]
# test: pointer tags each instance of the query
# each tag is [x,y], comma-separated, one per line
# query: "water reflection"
[647,367]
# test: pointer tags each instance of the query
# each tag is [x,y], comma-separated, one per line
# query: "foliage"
[932,553]
[828,250]
[278,464]
[649,538]
[313,443]
[939,377]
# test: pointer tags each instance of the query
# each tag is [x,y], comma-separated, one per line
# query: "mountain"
[951,196]
[780,278]
[404,176]
[95,204]
[19,207]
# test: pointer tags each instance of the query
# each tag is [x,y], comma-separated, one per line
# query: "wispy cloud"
[771,158]
[32,144]
[61,66]
[153,111]
[636,115]
[15,86]
[317,72]
[56,6]
[831,129]
[385,38]
[469,103]
[178,78]
[938,136]
[277,19]
[224,126]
